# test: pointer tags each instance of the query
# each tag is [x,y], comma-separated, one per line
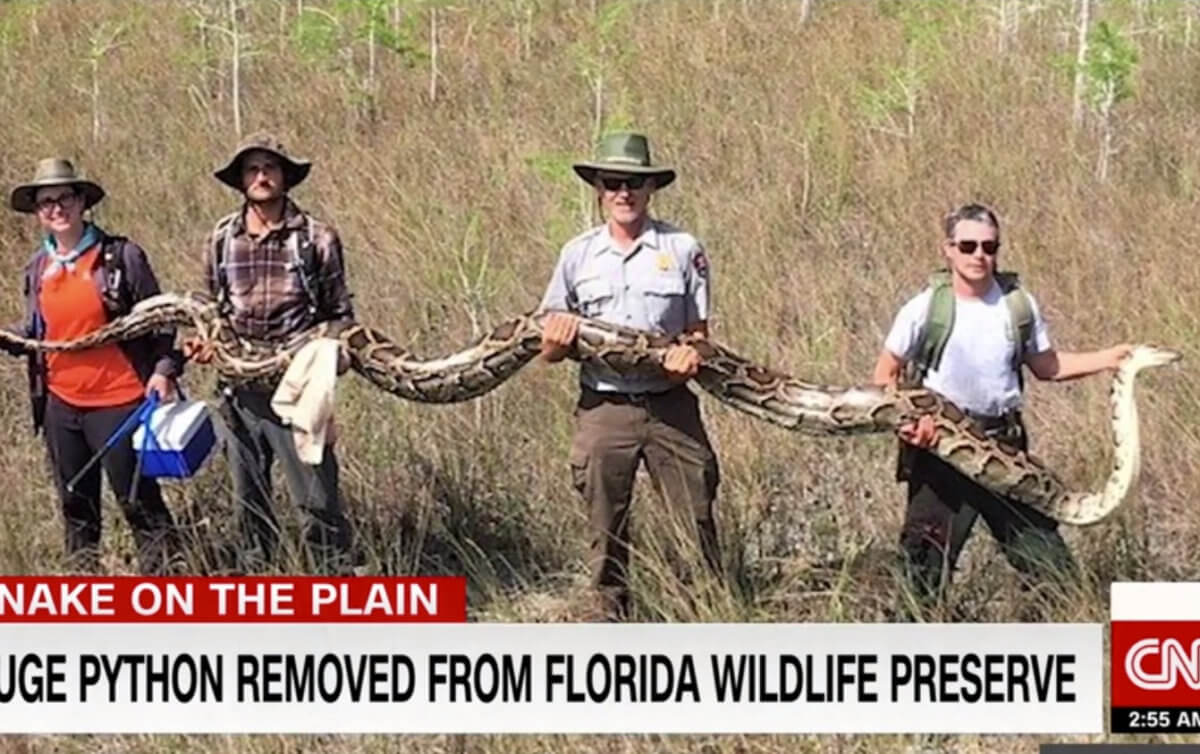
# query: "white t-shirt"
[976,371]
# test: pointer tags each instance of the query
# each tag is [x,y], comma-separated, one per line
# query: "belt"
[589,397]
[995,423]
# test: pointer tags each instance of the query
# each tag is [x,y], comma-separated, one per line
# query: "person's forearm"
[1075,365]
[885,375]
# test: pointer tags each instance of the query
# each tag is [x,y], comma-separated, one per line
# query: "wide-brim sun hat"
[624,153]
[294,170]
[54,171]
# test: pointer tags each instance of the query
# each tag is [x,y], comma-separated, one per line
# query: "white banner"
[551,678]
[1155,600]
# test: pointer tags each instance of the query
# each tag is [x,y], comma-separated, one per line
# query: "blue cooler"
[174,439]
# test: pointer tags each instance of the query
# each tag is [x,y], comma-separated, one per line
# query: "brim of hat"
[23,197]
[663,176]
[294,171]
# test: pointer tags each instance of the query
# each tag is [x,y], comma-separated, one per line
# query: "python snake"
[778,398]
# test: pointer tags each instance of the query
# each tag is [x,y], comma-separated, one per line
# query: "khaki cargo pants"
[614,433]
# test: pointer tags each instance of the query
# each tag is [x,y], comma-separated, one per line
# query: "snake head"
[1146,356]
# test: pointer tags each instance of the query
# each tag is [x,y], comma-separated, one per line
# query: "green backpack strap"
[1020,312]
[939,321]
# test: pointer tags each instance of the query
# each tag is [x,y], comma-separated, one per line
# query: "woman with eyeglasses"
[79,278]
[967,336]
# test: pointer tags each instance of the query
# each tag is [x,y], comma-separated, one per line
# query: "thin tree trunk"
[1008,12]
[529,32]
[806,184]
[524,32]
[587,205]
[371,56]
[204,57]
[1102,158]
[1107,132]
[1080,59]
[433,54]
[911,92]
[597,108]
[8,68]
[236,68]
[95,99]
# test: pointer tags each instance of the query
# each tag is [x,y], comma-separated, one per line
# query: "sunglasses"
[968,247]
[61,201]
[615,183]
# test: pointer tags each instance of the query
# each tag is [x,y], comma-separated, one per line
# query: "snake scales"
[767,394]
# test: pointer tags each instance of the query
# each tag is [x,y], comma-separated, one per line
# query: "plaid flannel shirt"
[265,291]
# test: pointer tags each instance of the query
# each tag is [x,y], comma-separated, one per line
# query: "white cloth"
[976,368]
[305,397]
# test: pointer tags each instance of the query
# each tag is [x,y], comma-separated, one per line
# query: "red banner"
[1156,664]
[255,599]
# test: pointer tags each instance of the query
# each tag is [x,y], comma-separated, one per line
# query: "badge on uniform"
[700,262]
[664,261]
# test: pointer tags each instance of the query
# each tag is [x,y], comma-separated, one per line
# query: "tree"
[1081,27]
[1108,69]
[103,40]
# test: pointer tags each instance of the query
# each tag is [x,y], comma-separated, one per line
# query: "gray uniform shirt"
[662,285]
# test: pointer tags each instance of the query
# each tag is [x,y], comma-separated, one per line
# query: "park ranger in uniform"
[638,272]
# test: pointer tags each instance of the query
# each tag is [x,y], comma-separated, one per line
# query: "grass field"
[816,157]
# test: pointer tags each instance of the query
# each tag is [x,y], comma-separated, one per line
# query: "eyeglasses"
[61,201]
[968,247]
[614,183]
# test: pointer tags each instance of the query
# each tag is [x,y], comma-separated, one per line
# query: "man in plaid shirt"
[276,271]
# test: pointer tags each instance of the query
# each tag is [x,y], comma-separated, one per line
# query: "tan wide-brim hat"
[294,170]
[624,153]
[54,171]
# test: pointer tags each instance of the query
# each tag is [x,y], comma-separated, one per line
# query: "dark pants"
[259,437]
[613,435]
[73,436]
[943,506]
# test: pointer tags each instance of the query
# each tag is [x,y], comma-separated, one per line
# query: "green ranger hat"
[624,153]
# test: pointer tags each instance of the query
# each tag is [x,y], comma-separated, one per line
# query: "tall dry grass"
[820,213]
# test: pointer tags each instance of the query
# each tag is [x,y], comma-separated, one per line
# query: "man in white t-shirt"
[994,327]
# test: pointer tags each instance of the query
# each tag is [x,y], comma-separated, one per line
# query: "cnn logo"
[1161,664]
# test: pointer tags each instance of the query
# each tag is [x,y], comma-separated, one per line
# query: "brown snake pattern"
[767,394]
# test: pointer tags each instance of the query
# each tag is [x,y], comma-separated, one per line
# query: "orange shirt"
[71,307]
